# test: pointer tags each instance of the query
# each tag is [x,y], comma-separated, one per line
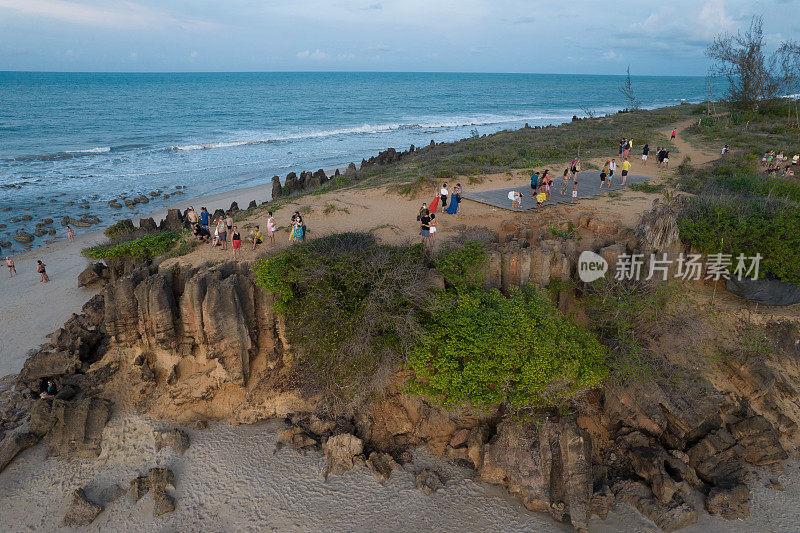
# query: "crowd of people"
[427,212]
[225,231]
[779,163]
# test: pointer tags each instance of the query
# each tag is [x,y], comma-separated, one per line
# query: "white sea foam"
[98,150]
[370,129]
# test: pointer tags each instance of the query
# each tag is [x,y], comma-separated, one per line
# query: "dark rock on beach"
[81,511]
[277,189]
[13,444]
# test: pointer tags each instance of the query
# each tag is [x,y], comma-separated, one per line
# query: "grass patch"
[647,187]
[151,245]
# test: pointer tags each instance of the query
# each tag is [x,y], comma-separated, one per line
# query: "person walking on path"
[40,268]
[674,132]
[574,193]
[534,184]
[70,234]
[271,227]
[11,268]
[645,152]
[565,183]
[604,173]
[236,242]
[611,168]
[626,166]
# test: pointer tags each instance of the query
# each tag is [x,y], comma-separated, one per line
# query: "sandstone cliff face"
[207,314]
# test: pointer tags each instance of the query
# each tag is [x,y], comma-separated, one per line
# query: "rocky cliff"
[199,343]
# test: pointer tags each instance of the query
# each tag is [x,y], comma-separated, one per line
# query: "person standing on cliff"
[271,227]
[443,193]
[11,268]
[204,218]
[236,242]
[191,216]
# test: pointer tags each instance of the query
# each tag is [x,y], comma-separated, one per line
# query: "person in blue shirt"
[50,391]
[204,218]
[534,184]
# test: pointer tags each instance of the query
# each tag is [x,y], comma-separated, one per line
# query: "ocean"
[73,139]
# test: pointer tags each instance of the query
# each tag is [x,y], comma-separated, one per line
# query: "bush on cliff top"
[148,246]
[484,348]
[355,310]
[351,308]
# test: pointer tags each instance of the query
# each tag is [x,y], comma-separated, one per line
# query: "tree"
[753,75]
[627,92]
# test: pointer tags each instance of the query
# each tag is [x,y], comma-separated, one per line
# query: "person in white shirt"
[611,168]
[443,193]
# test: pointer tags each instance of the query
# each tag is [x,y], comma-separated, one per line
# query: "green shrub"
[151,245]
[622,313]
[484,349]
[646,186]
[463,267]
[735,225]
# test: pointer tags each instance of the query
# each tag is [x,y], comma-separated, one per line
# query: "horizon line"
[348,72]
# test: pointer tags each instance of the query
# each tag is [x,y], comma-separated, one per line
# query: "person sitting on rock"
[49,391]
[200,232]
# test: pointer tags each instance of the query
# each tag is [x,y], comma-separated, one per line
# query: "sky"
[547,36]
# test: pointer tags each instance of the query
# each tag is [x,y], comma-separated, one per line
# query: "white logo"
[591,266]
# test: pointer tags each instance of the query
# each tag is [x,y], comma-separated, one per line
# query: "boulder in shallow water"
[114,204]
[39,232]
[26,217]
[81,511]
[23,237]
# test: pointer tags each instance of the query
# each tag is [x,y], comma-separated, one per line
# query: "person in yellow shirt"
[626,166]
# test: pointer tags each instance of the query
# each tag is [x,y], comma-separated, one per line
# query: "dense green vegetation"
[151,245]
[623,313]
[484,348]
[735,225]
[355,310]
[352,309]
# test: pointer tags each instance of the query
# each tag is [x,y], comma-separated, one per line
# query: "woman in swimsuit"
[40,268]
[236,240]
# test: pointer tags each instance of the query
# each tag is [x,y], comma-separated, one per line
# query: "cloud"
[113,14]
[373,7]
[316,54]
[610,55]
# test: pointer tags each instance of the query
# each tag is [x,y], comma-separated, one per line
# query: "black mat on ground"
[588,187]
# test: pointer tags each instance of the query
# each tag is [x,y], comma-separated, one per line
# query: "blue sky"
[574,36]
